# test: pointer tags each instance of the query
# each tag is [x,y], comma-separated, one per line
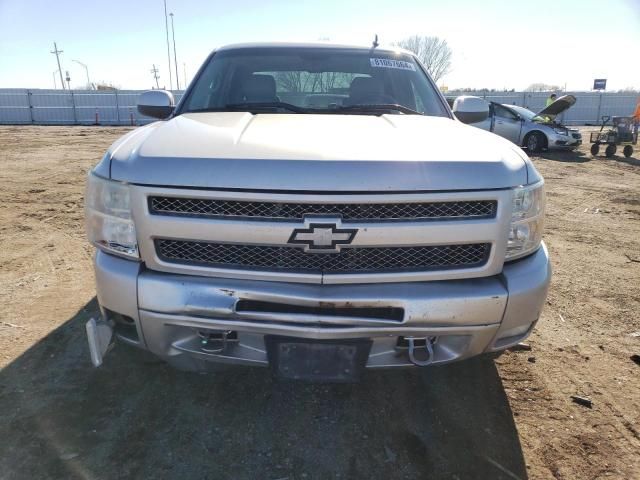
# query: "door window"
[504,113]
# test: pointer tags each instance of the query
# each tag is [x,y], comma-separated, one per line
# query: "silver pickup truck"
[317,209]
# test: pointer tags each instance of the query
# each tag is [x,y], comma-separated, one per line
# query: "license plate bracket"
[339,361]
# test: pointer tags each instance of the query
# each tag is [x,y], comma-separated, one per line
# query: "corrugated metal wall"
[75,107]
[79,107]
[589,107]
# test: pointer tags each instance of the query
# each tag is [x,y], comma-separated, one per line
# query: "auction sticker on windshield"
[390,63]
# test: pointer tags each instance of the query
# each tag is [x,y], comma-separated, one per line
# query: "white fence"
[118,107]
[71,107]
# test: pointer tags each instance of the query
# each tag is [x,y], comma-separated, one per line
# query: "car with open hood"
[317,209]
[533,131]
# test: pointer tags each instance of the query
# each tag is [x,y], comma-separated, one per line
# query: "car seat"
[256,89]
[365,90]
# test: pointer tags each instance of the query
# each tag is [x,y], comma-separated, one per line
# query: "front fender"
[527,132]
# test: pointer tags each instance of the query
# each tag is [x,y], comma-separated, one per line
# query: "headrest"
[259,88]
[365,86]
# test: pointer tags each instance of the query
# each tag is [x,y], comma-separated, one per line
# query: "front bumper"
[556,141]
[168,313]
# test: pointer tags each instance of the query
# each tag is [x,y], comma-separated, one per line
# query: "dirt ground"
[135,417]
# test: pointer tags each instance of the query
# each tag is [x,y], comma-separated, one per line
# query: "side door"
[506,123]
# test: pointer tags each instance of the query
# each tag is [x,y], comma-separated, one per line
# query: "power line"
[57,53]
[154,70]
[175,58]
[166,28]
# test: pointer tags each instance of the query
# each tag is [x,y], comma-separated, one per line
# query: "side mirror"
[470,109]
[156,103]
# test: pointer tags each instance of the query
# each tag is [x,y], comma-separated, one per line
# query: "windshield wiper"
[377,107]
[254,106]
[251,106]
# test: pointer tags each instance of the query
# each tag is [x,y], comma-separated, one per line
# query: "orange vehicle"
[636,113]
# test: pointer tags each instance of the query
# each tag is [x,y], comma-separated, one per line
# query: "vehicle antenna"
[375,42]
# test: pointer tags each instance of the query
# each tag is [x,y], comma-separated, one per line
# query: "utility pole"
[86,69]
[166,28]
[175,58]
[184,68]
[57,53]
[55,85]
[154,70]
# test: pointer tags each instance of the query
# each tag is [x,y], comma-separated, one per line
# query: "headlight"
[527,219]
[108,217]
[561,131]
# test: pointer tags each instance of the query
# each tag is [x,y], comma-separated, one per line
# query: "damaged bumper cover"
[192,322]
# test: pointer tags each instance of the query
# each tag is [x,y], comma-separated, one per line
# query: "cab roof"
[318,45]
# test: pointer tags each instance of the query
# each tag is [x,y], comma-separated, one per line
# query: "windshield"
[313,80]
[523,112]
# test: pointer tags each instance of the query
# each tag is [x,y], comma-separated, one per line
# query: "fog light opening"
[513,335]
[124,327]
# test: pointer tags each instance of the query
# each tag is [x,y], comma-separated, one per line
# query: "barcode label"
[390,63]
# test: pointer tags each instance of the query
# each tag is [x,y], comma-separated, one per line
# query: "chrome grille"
[198,207]
[277,258]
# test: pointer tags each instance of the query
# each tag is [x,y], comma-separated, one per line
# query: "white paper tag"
[390,63]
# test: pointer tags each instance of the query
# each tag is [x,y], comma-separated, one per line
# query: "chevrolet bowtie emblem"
[322,237]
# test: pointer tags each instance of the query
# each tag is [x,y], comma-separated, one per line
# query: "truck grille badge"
[322,237]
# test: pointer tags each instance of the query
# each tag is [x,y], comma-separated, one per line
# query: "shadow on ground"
[568,156]
[577,156]
[619,158]
[135,417]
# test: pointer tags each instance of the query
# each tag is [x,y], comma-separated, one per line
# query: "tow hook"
[216,342]
[428,345]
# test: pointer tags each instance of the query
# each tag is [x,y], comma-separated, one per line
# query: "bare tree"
[102,85]
[289,81]
[433,52]
[319,82]
[542,87]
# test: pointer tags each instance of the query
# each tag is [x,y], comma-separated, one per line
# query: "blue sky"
[495,43]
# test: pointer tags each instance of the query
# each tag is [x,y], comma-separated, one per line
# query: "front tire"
[610,151]
[535,142]
[627,151]
[595,148]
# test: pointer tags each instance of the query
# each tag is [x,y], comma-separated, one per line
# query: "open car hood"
[556,108]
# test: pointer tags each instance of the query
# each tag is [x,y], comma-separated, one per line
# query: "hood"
[560,105]
[323,152]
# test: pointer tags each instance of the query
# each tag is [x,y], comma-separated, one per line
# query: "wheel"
[610,151]
[627,151]
[595,148]
[535,142]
